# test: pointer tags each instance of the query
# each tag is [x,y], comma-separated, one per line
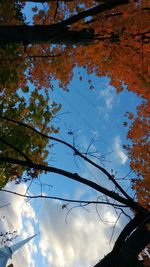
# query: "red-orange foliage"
[121,51]
[139,151]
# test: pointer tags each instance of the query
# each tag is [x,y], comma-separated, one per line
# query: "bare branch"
[74,176]
[86,202]
[6,205]
[114,226]
[82,205]
[110,177]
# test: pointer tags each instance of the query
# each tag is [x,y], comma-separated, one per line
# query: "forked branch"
[76,152]
[74,176]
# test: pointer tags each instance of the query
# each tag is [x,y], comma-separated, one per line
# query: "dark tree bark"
[52,34]
[55,33]
[132,240]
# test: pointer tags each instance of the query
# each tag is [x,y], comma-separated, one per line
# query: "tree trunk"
[132,240]
[55,33]
[39,34]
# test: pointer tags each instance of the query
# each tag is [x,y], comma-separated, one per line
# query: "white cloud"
[80,242]
[109,96]
[119,151]
[18,218]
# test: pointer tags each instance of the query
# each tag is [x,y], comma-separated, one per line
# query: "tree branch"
[74,176]
[16,149]
[126,253]
[76,152]
[64,199]
[128,229]
[55,33]
[137,241]
[107,5]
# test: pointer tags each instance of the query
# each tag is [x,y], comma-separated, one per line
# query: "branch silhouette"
[76,152]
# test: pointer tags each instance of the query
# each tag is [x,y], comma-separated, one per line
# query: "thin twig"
[110,177]
[6,205]
[87,202]
[78,206]
[114,226]
[57,6]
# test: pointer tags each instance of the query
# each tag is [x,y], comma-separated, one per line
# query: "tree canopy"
[99,36]
[105,38]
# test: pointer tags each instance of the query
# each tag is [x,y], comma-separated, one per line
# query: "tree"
[117,29]
[18,101]
[57,33]
[38,112]
[134,237]
[114,32]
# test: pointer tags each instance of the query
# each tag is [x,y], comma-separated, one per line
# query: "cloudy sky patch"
[80,240]
[119,150]
[19,218]
[109,96]
[75,238]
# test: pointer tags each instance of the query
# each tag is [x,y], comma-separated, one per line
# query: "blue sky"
[78,238]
